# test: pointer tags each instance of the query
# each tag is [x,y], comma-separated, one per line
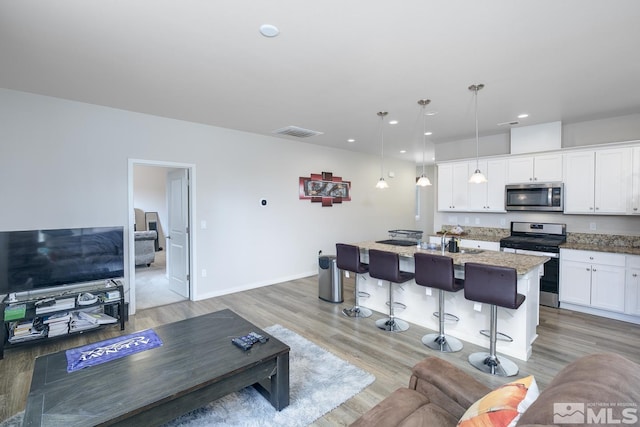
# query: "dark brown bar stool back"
[385,265]
[436,271]
[348,259]
[497,286]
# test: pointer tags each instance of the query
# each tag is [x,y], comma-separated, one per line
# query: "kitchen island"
[422,302]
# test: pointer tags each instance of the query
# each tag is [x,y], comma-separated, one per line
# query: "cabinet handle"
[635,274]
[588,269]
[597,208]
[590,208]
[635,209]
[594,270]
[590,257]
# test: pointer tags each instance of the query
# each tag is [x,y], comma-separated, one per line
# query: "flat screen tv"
[37,259]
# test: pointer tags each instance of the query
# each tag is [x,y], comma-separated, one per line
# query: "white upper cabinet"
[452,186]
[597,182]
[488,197]
[539,168]
[634,206]
[579,175]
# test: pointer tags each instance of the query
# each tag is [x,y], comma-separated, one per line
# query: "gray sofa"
[439,394]
[145,250]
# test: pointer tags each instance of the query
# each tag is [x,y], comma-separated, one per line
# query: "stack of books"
[58,324]
[24,331]
[78,323]
[97,318]
[55,305]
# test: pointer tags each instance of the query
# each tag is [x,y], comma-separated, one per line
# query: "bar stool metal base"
[443,343]
[488,364]
[356,312]
[392,325]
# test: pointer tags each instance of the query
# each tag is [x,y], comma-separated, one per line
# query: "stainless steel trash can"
[329,279]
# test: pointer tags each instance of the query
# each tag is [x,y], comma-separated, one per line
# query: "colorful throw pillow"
[503,406]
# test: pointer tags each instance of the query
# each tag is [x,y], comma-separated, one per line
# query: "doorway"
[160,246]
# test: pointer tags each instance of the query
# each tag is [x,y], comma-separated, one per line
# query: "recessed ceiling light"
[428,133]
[351,140]
[523,116]
[269,30]
[430,113]
[393,122]
[403,151]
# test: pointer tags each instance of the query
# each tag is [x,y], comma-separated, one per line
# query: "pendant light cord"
[477,139]
[382,114]
[382,145]
[424,134]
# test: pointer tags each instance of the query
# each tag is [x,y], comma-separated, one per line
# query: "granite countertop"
[612,243]
[522,263]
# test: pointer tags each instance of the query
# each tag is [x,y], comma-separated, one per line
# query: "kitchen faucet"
[444,233]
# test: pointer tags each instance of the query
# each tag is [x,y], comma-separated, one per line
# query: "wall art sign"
[325,188]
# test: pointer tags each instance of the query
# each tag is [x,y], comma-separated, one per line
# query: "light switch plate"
[477,306]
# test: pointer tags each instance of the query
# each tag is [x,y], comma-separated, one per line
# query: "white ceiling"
[335,63]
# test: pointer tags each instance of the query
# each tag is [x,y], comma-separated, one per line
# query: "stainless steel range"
[541,239]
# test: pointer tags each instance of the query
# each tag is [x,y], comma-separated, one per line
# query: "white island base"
[422,302]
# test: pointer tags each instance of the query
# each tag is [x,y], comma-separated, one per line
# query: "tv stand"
[37,316]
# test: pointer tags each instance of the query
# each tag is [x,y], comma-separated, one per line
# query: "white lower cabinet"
[632,288]
[593,279]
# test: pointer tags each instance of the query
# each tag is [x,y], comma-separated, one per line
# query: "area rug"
[319,382]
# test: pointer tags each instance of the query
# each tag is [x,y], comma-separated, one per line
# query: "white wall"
[65,164]
[591,132]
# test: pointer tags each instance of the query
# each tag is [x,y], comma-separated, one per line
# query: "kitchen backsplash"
[590,239]
[482,233]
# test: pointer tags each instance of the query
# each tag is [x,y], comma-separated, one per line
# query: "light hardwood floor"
[564,336]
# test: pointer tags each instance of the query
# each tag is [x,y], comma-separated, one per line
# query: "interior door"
[178,238]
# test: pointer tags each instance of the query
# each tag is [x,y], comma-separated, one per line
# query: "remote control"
[247,341]
[243,342]
[258,337]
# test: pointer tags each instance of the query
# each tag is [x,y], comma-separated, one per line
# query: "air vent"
[297,132]
[513,123]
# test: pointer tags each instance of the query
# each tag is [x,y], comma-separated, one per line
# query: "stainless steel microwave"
[535,197]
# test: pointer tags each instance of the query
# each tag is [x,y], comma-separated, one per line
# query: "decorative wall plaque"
[325,188]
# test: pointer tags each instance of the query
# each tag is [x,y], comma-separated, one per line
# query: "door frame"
[191,189]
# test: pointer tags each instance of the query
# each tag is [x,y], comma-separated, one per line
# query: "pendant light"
[423,181]
[382,184]
[477,177]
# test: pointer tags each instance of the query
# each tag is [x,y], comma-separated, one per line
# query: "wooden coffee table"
[196,364]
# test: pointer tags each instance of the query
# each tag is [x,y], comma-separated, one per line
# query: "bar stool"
[497,286]
[436,271]
[385,265]
[348,259]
